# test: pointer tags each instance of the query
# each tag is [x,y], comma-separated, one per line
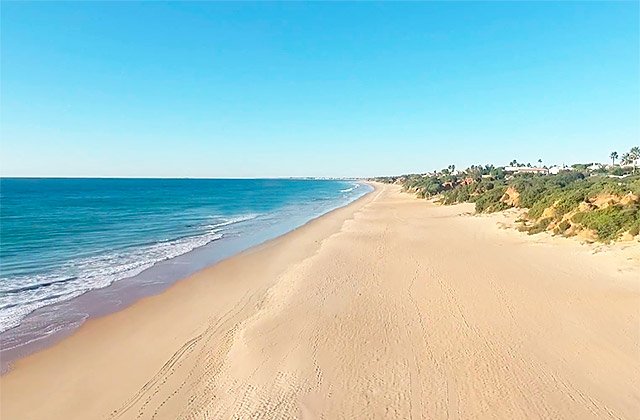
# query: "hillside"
[596,206]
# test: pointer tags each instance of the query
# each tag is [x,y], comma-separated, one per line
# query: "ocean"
[61,239]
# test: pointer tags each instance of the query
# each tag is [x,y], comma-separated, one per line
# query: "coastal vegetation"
[593,201]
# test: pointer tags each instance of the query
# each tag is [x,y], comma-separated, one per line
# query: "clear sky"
[317,89]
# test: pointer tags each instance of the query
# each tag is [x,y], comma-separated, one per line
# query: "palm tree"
[513,162]
[626,159]
[540,163]
[613,156]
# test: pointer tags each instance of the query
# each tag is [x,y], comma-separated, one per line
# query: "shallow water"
[64,241]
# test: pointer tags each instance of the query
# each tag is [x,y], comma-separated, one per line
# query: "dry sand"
[388,308]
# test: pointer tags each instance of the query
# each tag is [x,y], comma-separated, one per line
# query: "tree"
[613,156]
[626,159]
[513,162]
[540,163]
[433,187]
[634,155]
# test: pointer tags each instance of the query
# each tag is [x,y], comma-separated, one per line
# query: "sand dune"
[388,308]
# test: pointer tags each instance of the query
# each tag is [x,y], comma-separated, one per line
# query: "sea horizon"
[330,178]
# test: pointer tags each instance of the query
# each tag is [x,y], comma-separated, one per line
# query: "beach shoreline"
[123,293]
[389,306]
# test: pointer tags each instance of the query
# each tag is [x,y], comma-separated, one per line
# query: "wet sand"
[388,308]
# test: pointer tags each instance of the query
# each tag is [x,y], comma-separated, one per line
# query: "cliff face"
[605,200]
[602,217]
[511,197]
[574,203]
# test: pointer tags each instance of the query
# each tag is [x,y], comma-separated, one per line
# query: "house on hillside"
[555,170]
[595,167]
[525,170]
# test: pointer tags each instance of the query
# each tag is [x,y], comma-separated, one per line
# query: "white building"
[555,170]
[525,170]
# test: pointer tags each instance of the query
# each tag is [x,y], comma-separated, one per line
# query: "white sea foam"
[350,189]
[232,221]
[36,280]
[19,296]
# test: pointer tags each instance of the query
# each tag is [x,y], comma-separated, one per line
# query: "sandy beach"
[391,307]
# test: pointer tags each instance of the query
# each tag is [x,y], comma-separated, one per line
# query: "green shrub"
[489,200]
[539,206]
[610,222]
[569,200]
[498,206]
[541,226]
[563,226]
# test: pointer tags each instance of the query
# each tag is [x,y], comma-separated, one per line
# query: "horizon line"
[185,177]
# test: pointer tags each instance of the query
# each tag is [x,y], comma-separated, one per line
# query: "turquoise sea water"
[61,238]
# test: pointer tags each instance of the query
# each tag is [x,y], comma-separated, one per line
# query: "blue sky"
[318,89]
